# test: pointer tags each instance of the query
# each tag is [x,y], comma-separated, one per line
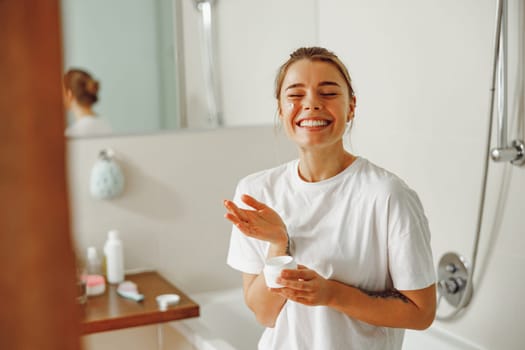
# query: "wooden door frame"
[37,261]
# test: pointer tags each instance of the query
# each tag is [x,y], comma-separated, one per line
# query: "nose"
[311,102]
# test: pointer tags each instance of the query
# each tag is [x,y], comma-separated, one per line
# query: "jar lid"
[165,300]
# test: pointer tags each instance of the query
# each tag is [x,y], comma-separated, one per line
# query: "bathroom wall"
[171,214]
[422,72]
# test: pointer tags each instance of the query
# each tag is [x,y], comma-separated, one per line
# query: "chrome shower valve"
[453,280]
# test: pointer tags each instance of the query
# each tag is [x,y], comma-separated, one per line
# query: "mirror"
[128,47]
[148,58]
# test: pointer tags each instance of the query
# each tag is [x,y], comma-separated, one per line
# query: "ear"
[351,109]
[69,95]
[68,98]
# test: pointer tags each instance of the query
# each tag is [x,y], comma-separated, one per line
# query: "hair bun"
[92,86]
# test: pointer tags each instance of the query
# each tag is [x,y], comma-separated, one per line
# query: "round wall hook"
[106,154]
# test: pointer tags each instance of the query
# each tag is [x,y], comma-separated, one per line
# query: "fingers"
[297,285]
[234,219]
[301,279]
[261,223]
[249,200]
[234,211]
[303,285]
[241,219]
[237,217]
[252,202]
[303,297]
[302,272]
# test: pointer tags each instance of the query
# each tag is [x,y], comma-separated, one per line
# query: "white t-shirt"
[88,126]
[363,227]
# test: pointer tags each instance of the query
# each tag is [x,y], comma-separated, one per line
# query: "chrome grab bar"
[503,152]
[211,75]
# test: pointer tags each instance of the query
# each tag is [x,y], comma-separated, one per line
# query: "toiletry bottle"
[114,258]
[94,263]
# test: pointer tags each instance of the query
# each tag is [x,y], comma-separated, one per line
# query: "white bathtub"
[227,324]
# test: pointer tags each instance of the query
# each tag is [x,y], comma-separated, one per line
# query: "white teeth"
[313,123]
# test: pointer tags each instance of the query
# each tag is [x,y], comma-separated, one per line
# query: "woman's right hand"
[261,223]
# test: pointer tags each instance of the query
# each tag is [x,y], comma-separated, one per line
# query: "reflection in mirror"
[80,93]
[148,58]
[128,46]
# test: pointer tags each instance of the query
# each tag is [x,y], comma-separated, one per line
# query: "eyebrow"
[323,83]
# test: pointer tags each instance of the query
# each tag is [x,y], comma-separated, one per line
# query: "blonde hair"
[313,54]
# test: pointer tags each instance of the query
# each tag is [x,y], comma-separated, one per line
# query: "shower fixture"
[504,152]
[455,274]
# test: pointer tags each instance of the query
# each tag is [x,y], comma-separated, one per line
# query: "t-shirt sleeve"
[409,251]
[245,254]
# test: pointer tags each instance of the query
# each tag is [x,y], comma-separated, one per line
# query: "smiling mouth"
[313,123]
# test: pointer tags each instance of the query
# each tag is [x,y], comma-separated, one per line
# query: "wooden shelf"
[110,311]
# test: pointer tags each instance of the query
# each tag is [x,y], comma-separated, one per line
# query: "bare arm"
[265,305]
[412,309]
[265,224]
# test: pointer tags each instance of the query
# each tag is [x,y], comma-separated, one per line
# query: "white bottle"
[114,258]
[94,264]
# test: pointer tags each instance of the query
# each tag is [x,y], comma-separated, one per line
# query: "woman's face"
[315,104]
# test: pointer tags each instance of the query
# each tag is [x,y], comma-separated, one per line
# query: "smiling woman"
[324,93]
[358,232]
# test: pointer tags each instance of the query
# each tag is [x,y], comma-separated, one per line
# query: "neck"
[82,111]
[321,164]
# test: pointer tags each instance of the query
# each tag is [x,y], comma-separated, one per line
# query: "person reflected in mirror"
[80,94]
[357,232]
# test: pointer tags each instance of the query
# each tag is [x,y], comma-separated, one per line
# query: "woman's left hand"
[304,286]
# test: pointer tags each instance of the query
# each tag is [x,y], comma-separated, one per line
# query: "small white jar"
[274,266]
